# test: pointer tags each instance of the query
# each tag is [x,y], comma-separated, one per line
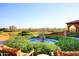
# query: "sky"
[38,15]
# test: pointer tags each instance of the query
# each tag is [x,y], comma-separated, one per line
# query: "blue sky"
[38,15]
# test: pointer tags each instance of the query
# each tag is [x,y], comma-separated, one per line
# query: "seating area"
[7,51]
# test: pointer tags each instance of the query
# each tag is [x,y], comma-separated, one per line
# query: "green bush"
[68,44]
[35,37]
[27,46]
[56,37]
[74,34]
[20,42]
[24,33]
[44,48]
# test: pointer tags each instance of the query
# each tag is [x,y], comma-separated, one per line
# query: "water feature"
[43,38]
[53,41]
[77,38]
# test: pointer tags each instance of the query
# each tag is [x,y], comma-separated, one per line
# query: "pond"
[53,41]
[77,38]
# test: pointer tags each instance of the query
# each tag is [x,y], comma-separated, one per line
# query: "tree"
[4,29]
[23,33]
[12,28]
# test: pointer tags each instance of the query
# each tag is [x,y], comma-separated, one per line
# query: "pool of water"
[77,38]
[53,41]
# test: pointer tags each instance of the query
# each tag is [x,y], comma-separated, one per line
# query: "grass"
[6,33]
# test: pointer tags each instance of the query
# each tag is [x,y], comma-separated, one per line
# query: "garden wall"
[68,53]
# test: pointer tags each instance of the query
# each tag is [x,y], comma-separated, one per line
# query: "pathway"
[2,42]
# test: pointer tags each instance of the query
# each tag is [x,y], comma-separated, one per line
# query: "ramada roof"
[72,22]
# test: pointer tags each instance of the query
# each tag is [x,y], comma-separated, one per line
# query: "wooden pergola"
[74,23]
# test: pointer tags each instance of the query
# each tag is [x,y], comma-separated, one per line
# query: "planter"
[59,52]
[8,51]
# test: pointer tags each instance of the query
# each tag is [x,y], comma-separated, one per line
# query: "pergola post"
[68,29]
[77,27]
[68,26]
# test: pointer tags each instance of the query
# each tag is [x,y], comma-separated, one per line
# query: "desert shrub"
[44,48]
[68,44]
[20,42]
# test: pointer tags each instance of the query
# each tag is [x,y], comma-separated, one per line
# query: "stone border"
[59,52]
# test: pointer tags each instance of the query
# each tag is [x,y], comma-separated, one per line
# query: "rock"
[42,55]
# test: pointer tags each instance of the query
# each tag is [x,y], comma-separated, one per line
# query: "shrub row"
[19,42]
[56,37]
[74,34]
[68,44]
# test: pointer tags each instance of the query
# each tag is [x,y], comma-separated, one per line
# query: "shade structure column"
[68,26]
[77,29]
